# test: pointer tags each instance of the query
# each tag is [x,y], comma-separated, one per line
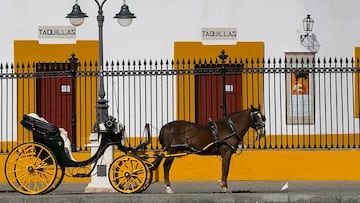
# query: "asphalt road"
[242,191]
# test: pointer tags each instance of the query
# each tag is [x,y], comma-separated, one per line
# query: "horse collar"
[231,124]
[214,130]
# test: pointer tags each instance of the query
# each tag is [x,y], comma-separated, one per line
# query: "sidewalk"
[242,191]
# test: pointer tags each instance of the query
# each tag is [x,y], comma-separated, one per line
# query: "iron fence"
[308,103]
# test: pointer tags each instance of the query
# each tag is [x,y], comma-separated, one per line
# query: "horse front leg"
[167,166]
[226,158]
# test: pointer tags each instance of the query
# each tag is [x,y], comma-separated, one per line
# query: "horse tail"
[161,136]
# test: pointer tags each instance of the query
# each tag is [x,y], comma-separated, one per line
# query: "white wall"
[161,22]
[278,23]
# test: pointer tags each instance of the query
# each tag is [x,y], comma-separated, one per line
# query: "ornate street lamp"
[308,24]
[76,18]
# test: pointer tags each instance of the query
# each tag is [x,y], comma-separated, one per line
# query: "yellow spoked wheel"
[148,181]
[31,168]
[127,174]
[58,179]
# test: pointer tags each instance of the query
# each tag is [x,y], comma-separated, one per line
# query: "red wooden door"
[53,94]
[208,91]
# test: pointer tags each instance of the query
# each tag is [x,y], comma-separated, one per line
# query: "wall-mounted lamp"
[308,24]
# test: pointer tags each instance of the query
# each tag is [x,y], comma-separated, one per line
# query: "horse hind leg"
[167,165]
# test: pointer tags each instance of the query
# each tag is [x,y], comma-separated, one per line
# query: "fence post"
[73,65]
[223,56]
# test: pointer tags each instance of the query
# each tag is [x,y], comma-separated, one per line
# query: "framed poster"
[300,96]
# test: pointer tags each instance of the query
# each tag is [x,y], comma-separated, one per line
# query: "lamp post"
[124,18]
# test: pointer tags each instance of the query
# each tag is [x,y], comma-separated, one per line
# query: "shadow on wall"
[311,43]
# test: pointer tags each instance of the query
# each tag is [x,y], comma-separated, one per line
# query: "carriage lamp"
[125,18]
[308,24]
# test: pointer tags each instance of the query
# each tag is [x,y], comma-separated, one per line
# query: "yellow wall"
[256,165]
[31,52]
[195,51]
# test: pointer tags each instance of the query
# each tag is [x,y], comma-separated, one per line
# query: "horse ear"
[252,107]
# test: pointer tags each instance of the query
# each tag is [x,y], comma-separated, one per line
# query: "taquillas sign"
[218,33]
[57,32]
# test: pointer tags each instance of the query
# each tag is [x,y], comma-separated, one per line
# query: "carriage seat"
[33,122]
[37,124]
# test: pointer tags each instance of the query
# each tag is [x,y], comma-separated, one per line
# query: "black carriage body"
[49,135]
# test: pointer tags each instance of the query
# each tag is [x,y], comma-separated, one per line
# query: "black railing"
[309,104]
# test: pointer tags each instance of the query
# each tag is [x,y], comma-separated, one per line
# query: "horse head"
[257,121]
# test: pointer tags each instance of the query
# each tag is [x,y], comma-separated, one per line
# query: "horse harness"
[214,131]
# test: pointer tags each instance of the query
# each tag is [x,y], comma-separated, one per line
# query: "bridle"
[257,124]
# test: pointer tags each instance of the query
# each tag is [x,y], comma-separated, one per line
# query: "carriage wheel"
[31,168]
[58,179]
[127,174]
[149,175]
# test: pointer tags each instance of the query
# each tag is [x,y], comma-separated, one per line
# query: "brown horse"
[221,137]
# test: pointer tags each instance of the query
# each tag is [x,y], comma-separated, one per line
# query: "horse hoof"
[168,190]
[224,190]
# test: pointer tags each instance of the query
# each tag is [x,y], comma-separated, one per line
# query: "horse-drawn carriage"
[39,167]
